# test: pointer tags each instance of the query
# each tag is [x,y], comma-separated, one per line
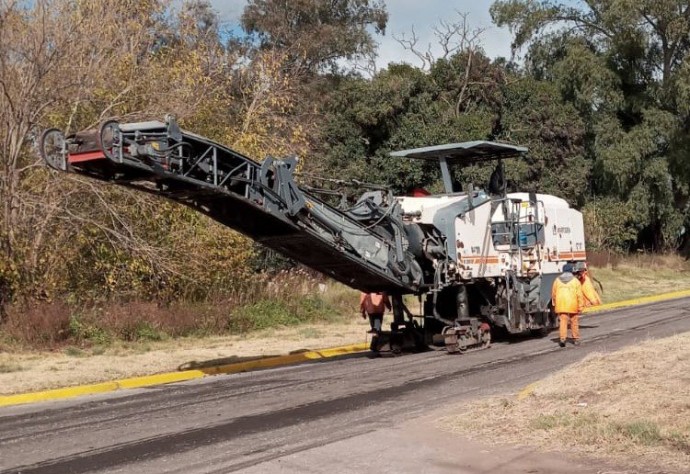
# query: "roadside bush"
[262,315]
[38,324]
[609,224]
[82,329]
[264,301]
[136,321]
[266,314]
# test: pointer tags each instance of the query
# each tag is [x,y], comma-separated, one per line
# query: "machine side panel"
[564,238]
[476,255]
[445,219]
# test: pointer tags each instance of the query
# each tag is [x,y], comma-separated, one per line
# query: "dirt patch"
[631,406]
[32,371]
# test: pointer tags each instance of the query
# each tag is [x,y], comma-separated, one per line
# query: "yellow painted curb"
[638,301]
[69,392]
[170,377]
[527,391]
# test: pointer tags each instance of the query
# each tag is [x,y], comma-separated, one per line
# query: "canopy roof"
[464,153]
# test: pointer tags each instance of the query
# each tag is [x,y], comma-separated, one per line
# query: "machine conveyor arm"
[261,201]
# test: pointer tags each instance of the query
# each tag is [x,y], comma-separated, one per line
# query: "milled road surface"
[348,415]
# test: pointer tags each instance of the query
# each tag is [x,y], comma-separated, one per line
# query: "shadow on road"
[228,361]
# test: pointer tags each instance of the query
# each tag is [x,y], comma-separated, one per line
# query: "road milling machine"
[478,260]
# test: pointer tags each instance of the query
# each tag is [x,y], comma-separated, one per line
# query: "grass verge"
[632,406]
[642,275]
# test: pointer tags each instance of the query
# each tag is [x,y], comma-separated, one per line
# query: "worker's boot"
[561,343]
[576,342]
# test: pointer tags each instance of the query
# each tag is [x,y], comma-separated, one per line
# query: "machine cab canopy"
[465,153]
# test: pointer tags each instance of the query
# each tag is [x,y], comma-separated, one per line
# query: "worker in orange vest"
[374,305]
[592,298]
[568,300]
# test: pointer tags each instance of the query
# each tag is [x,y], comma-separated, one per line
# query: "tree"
[71,64]
[52,55]
[456,100]
[622,64]
[534,115]
[315,34]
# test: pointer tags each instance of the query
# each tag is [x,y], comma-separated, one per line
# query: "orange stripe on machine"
[571,256]
[478,260]
[87,156]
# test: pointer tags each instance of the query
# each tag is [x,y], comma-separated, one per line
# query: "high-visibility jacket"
[566,295]
[590,293]
[374,303]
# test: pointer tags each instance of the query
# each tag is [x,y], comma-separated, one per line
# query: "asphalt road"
[253,422]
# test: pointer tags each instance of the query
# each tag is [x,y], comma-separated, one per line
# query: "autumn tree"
[49,62]
[72,64]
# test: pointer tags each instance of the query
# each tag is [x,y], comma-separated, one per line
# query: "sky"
[423,15]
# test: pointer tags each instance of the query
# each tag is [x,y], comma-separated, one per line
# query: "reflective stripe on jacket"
[590,293]
[566,295]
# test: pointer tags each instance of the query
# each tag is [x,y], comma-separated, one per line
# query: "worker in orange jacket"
[592,298]
[374,305]
[568,300]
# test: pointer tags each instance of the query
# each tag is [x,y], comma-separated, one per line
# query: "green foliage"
[88,331]
[610,224]
[549,422]
[265,314]
[458,100]
[262,315]
[535,116]
[643,432]
[316,33]
[146,332]
[622,65]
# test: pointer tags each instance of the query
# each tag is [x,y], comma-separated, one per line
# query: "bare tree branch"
[452,37]
[411,44]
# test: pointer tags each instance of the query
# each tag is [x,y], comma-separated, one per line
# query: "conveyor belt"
[364,250]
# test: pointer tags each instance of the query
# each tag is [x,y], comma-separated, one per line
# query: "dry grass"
[37,325]
[642,275]
[25,371]
[289,298]
[632,405]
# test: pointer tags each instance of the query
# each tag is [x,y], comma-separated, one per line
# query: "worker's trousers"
[574,320]
[376,321]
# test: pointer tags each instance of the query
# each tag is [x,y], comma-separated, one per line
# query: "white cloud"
[403,15]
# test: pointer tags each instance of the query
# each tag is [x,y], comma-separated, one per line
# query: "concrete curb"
[638,301]
[529,389]
[269,362]
[171,377]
